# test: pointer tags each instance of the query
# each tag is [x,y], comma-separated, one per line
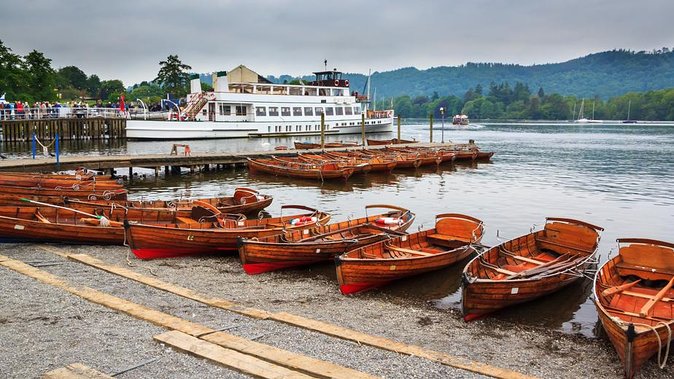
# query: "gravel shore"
[43,328]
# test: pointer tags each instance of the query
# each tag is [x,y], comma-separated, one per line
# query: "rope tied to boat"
[661,362]
[45,149]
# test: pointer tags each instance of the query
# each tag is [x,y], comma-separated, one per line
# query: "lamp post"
[442,113]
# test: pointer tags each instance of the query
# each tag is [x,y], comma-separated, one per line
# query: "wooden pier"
[169,162]
[68,128]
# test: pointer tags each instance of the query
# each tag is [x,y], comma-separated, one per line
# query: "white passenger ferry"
[245,104]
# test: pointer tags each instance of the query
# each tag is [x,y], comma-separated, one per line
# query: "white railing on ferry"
[60,112]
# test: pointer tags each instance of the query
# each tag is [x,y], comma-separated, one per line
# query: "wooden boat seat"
[648,273]
[634,305]
[548,241]
[447,240]
[409,251]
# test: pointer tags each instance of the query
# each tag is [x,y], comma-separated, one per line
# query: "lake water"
[620,177]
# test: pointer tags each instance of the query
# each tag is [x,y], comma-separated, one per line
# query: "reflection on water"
[616,176]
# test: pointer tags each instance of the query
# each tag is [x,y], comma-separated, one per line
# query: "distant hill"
[606,74]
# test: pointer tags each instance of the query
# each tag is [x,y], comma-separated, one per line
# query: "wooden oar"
[102,219]
[651,302]
[620,288]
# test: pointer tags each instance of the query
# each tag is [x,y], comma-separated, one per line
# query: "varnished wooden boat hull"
[116,194]
[259,166]
[393,141]
[150,241]
[621,317]
[378,264]
[263,255]
[492,280]
[358,276]
[20,230]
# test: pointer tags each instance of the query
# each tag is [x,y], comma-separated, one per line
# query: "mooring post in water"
[430,117]
[398,128]
[33,147]
[362,127]
[322,130]
[57,146]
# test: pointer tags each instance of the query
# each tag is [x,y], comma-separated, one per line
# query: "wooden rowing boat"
[244,200]
[57,181]
[51,223]
[311,145]
[635,301]
[376,163]
[299,169]
[392,141]
[529,266]
[344,162]
[154,241]
[322,243]
[83,193]
[450,241]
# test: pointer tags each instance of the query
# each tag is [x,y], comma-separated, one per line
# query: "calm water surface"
[620,177]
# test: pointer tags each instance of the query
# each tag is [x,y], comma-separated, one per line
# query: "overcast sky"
[125,40]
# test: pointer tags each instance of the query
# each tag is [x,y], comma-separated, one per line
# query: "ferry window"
[268,129]
[319,110]
[240,110]
[203,112]
[307,128]
[297,111]
[348,111]
[288,128]
[225,110]
[323,92]
[329,111]
[308,111]
[260,111]
[356,110]
[339,111]
[285,111]
[273,111]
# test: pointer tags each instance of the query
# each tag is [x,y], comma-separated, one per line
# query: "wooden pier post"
[322,130]
[398,128]
[362,127]
[430,117]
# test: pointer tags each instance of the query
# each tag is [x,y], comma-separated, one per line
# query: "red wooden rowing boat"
[634,296]
[344,162]
[322,243]
[311,145]
[529,266]
[451,240]
[153,241]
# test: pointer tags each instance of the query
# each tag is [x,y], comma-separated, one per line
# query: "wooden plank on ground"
[230,358]
[299,321]
[75,371]
[271,354]
[312,366]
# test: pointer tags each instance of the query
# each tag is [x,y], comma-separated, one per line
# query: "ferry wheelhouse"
[245,104]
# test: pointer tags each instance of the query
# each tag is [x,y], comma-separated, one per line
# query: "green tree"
[111,89]
[94,86]
[173,76]
[41,76]
[73,76]
[12,75]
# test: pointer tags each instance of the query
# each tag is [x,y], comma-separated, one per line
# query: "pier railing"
[36,113]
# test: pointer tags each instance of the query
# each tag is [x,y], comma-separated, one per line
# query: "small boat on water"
[322,243]
[376,163]
[173,240]
[320,171]
[392,141]
[358,167]
[529,266]
[58,181]
[244,200]
[460,119]
[635,301]
[450,241]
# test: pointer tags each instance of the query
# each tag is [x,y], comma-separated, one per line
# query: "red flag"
[121,103]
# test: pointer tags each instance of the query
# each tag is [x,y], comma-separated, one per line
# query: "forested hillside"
[606,74]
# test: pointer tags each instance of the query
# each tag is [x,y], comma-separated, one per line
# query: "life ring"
[346,82]
[304,220]
[336,83]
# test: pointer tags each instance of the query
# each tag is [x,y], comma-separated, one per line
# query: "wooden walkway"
[158,161]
